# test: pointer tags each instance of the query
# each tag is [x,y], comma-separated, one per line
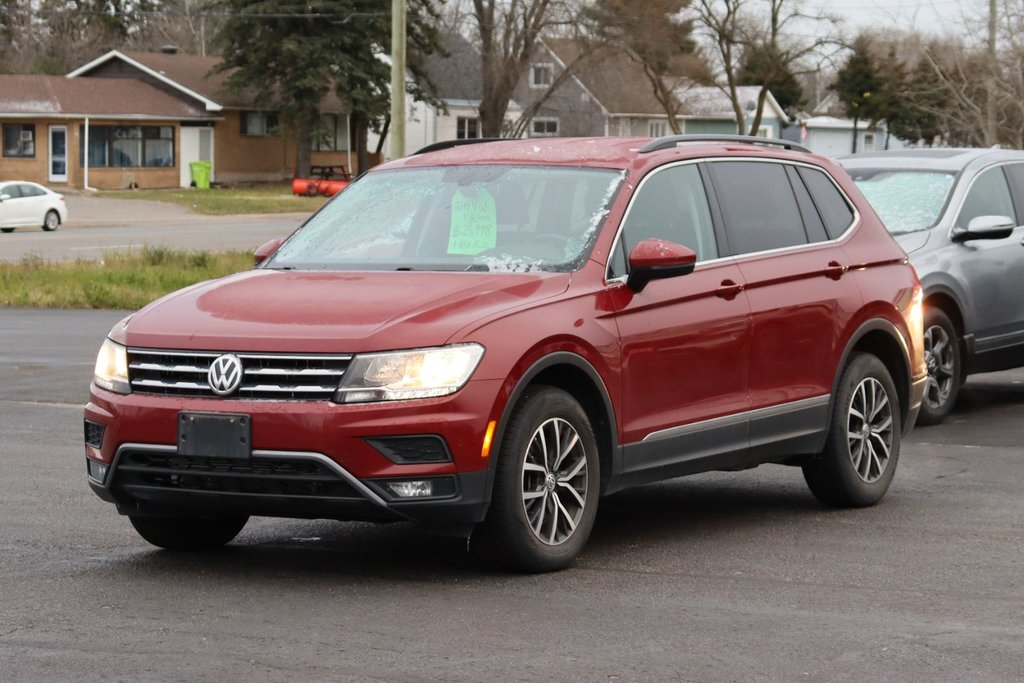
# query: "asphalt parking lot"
[721,577]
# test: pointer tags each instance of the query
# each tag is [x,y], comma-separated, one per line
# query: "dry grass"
[121,280]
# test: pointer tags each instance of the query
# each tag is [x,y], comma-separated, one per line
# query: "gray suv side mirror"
[985,228]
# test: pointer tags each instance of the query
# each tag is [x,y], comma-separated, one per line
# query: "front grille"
[264,376]
[258,476]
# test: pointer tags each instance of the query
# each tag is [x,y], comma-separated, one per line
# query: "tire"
[188,533]
[945,371]
[6,229]
[545,497]
[51,221]
[857,471]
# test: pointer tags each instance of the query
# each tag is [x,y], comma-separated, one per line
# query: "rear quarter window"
[832,206]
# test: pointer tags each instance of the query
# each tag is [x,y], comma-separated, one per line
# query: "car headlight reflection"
[111,371]
[404,375]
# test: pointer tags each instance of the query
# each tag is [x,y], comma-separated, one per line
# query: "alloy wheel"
[555,481]
[869,429]
[938,356]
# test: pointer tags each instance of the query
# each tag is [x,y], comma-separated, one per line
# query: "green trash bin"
[201,174]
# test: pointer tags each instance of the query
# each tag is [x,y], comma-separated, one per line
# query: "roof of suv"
[601,152]
[945,159]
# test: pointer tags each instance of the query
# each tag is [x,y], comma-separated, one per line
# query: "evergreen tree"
[291,55]
[859,86]
[764,67]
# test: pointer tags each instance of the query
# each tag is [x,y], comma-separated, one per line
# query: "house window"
[542,75]
[467,127]
[127,146]
[765,132]
[657,129]
[258,123]
[19,140]
[544,128]
[333,135]
[869,141]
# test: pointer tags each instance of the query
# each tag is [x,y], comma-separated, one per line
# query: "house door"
[58,154]
[196,145]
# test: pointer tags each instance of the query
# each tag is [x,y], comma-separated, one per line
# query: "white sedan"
[25,204]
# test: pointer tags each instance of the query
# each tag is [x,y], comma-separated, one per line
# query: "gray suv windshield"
[906,200]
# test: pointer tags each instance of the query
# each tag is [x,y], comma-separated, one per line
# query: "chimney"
[169,49]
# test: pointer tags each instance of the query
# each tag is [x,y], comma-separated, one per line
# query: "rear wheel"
[942,357]
[188,533]
[863,446]
[546,485]
[52,221]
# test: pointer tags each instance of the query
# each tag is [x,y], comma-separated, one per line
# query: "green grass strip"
[222,201]
[121,280]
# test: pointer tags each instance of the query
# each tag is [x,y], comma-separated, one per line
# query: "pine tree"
[859,86]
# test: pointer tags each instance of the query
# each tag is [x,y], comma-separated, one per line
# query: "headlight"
[112,368]
[404,375]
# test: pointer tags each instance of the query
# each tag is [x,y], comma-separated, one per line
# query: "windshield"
[906,200]
[486,218]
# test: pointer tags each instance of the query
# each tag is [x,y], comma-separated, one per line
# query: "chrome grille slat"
[266,377]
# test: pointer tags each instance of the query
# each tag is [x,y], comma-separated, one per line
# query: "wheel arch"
[883,340]
[574,374]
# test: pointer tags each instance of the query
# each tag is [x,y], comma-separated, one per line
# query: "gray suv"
[958,214]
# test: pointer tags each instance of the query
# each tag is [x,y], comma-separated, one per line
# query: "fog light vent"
[406,450]
[94,434]
[97,470]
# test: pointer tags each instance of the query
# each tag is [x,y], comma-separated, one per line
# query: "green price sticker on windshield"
[474,223]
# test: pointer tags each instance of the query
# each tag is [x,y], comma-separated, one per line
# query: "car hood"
[912,241]
[331,312]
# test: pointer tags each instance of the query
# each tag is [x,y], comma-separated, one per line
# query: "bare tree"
[509,32]
[733,28]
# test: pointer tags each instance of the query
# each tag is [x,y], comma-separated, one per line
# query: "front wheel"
[188,533]
[546,485]
[942,357]
[6,229]
[863,446]
[51,222]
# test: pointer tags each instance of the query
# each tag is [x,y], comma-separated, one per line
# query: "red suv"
[487,338]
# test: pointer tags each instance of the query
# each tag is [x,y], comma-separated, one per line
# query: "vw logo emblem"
[225,374]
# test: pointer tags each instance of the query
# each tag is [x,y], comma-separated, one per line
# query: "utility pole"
[990,133]
[397,127]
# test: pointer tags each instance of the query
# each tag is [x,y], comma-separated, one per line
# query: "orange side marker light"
[488,437]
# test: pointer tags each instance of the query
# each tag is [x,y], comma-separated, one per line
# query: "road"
[192,233]
[721,577]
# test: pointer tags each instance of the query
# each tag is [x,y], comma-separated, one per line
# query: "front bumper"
[309,459]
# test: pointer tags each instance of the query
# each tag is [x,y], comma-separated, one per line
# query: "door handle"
[835,270]
[728,290]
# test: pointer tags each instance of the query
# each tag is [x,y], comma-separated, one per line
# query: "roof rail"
[670,141]
[447,144]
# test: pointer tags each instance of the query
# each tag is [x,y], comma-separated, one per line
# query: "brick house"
[144,116]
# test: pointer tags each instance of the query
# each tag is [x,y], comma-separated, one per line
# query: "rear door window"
[759,209]
[832,206]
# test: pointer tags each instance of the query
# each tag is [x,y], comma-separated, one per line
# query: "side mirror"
[266,251]
[654,259]
[4,197]
[985,228]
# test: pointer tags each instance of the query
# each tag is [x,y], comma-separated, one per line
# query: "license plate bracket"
[215,435]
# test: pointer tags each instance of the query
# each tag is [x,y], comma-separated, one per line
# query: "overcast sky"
[929,16]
